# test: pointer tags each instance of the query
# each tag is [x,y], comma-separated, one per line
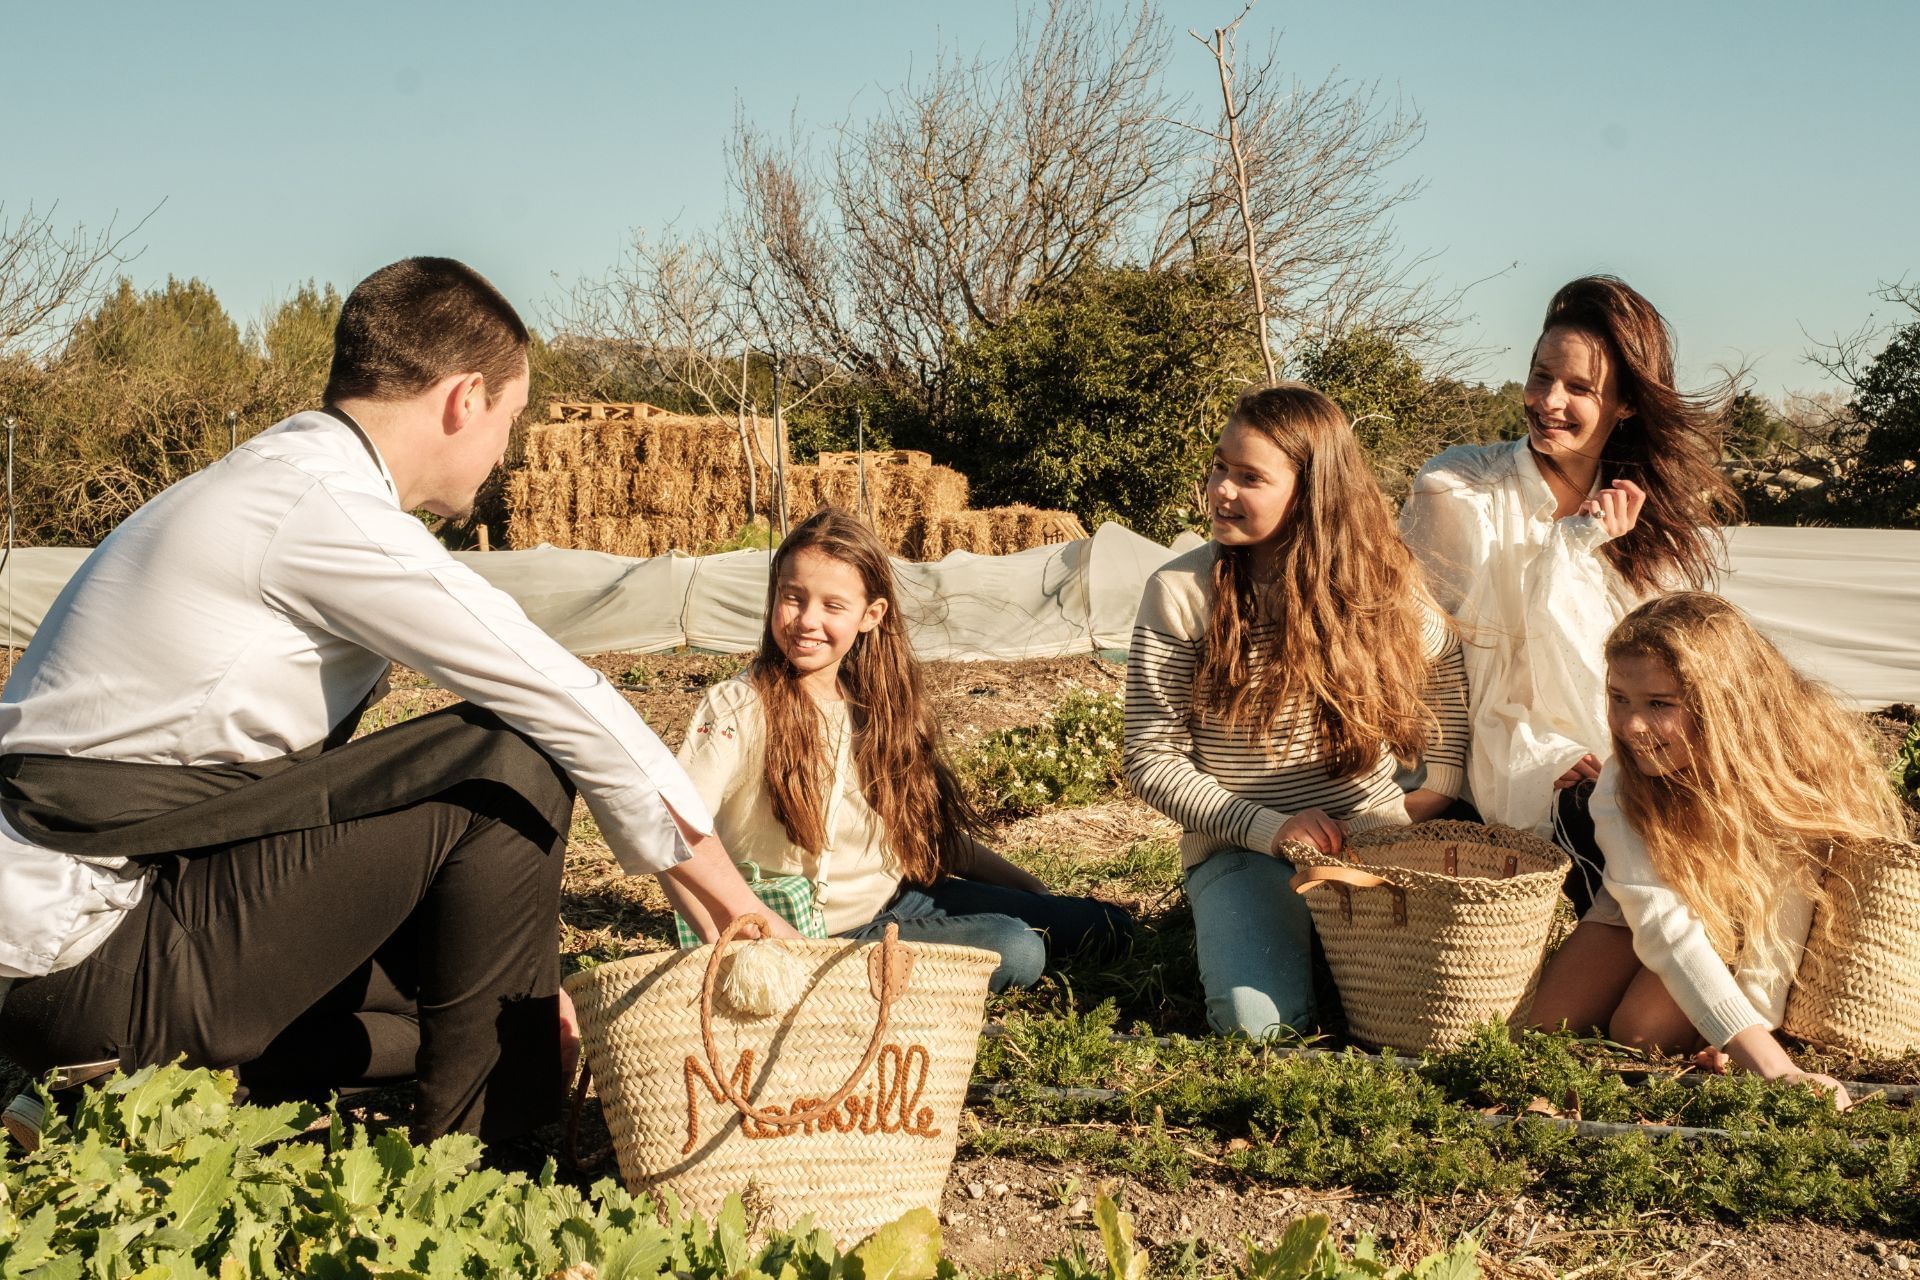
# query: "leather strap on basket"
[888,969]
[1346,879]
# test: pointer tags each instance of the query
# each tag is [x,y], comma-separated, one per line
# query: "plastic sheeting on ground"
[1844,604]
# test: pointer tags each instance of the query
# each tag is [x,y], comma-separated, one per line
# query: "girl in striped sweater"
[1276,677]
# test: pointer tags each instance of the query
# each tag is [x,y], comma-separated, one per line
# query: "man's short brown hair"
[407,326]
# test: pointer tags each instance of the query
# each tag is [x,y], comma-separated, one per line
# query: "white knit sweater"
[1669,938]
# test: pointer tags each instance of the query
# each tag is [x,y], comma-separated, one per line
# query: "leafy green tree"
[1884,483]
[1381,387]
[1755,430]
[1101,396]
[1487,414]
[297,340]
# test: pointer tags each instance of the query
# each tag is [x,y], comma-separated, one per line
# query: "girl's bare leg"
[1649,1019]
[1586,979]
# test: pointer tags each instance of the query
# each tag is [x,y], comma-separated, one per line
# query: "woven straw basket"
[1858,987]
[845,1105]
[1430,930]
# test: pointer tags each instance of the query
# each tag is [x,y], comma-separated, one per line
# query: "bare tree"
[1298,183]
[49,274]
[983,182]
[1224,48]
[968,190]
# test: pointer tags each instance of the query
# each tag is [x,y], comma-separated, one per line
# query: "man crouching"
[194,859]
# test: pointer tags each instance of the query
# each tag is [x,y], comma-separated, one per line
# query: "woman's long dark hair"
[1669,445]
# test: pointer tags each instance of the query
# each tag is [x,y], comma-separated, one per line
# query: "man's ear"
[466,396]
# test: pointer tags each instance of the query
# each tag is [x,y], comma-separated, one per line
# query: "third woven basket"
[1858,988]
[843,1104]
[1433,929]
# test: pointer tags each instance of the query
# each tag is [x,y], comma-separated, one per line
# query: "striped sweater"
[1228,790]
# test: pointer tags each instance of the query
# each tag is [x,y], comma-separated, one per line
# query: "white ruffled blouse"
[1536,601]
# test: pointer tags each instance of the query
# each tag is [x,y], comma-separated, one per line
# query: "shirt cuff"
[1265,826]
[1585,533]
[1447,779]
[1377,819]
[1722,1020]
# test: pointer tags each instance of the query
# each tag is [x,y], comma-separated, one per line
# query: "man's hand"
[1586,769]
[1314,827]
[1617,506]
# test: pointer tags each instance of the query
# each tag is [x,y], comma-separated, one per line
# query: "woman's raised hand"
[1617,506]
[1585,769]
[1314,827]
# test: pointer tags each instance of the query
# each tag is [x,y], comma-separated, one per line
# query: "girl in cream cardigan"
[823,760]
[1732,775]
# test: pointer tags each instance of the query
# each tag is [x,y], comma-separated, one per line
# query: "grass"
[1364,1122]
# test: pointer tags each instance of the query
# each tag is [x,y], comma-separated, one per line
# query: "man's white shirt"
[242,614]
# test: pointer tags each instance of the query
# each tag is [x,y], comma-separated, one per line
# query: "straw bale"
[962,531]
[593,411]
[1017,528]
[879,459]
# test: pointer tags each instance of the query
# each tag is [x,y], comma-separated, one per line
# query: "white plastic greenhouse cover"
[1844,604]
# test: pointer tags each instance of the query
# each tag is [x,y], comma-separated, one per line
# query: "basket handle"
[888,968]
[1345,880]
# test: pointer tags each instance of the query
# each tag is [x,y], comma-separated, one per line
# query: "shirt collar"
[342,416]
[1533,482]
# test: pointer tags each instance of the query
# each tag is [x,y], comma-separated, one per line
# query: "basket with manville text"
[1431,930]
[845,1104]
[1858,986]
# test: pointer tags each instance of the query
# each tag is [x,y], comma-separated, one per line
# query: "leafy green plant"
[1906,767]
[724,667]
[161,1175]
[1373,1124]
[1073,759]
[638,676]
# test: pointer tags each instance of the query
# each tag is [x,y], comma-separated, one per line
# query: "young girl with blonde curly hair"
[1732,776]
[1278,675]
[824,760]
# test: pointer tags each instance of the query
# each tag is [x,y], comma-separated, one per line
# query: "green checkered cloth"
[789,897]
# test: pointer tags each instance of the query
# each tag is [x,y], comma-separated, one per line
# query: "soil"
[1001,1215]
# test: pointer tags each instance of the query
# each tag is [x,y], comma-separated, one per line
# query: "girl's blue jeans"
[1023,928]
[1255,941]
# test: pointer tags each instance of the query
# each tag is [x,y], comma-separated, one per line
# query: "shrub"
[1073,759]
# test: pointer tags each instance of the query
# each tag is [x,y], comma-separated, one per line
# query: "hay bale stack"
[995,531]
[636,480]
[877,460]
[899,499]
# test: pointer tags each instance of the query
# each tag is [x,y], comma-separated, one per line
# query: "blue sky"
[1751,167]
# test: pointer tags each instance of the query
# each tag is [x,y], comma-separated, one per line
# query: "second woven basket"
[1431,930]
[1858,988]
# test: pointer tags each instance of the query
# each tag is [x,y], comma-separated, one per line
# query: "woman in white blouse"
[1539,546]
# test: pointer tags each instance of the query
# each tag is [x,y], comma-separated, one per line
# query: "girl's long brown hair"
[896,741]
[1778,770]
[1348,600]
[1669,446]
